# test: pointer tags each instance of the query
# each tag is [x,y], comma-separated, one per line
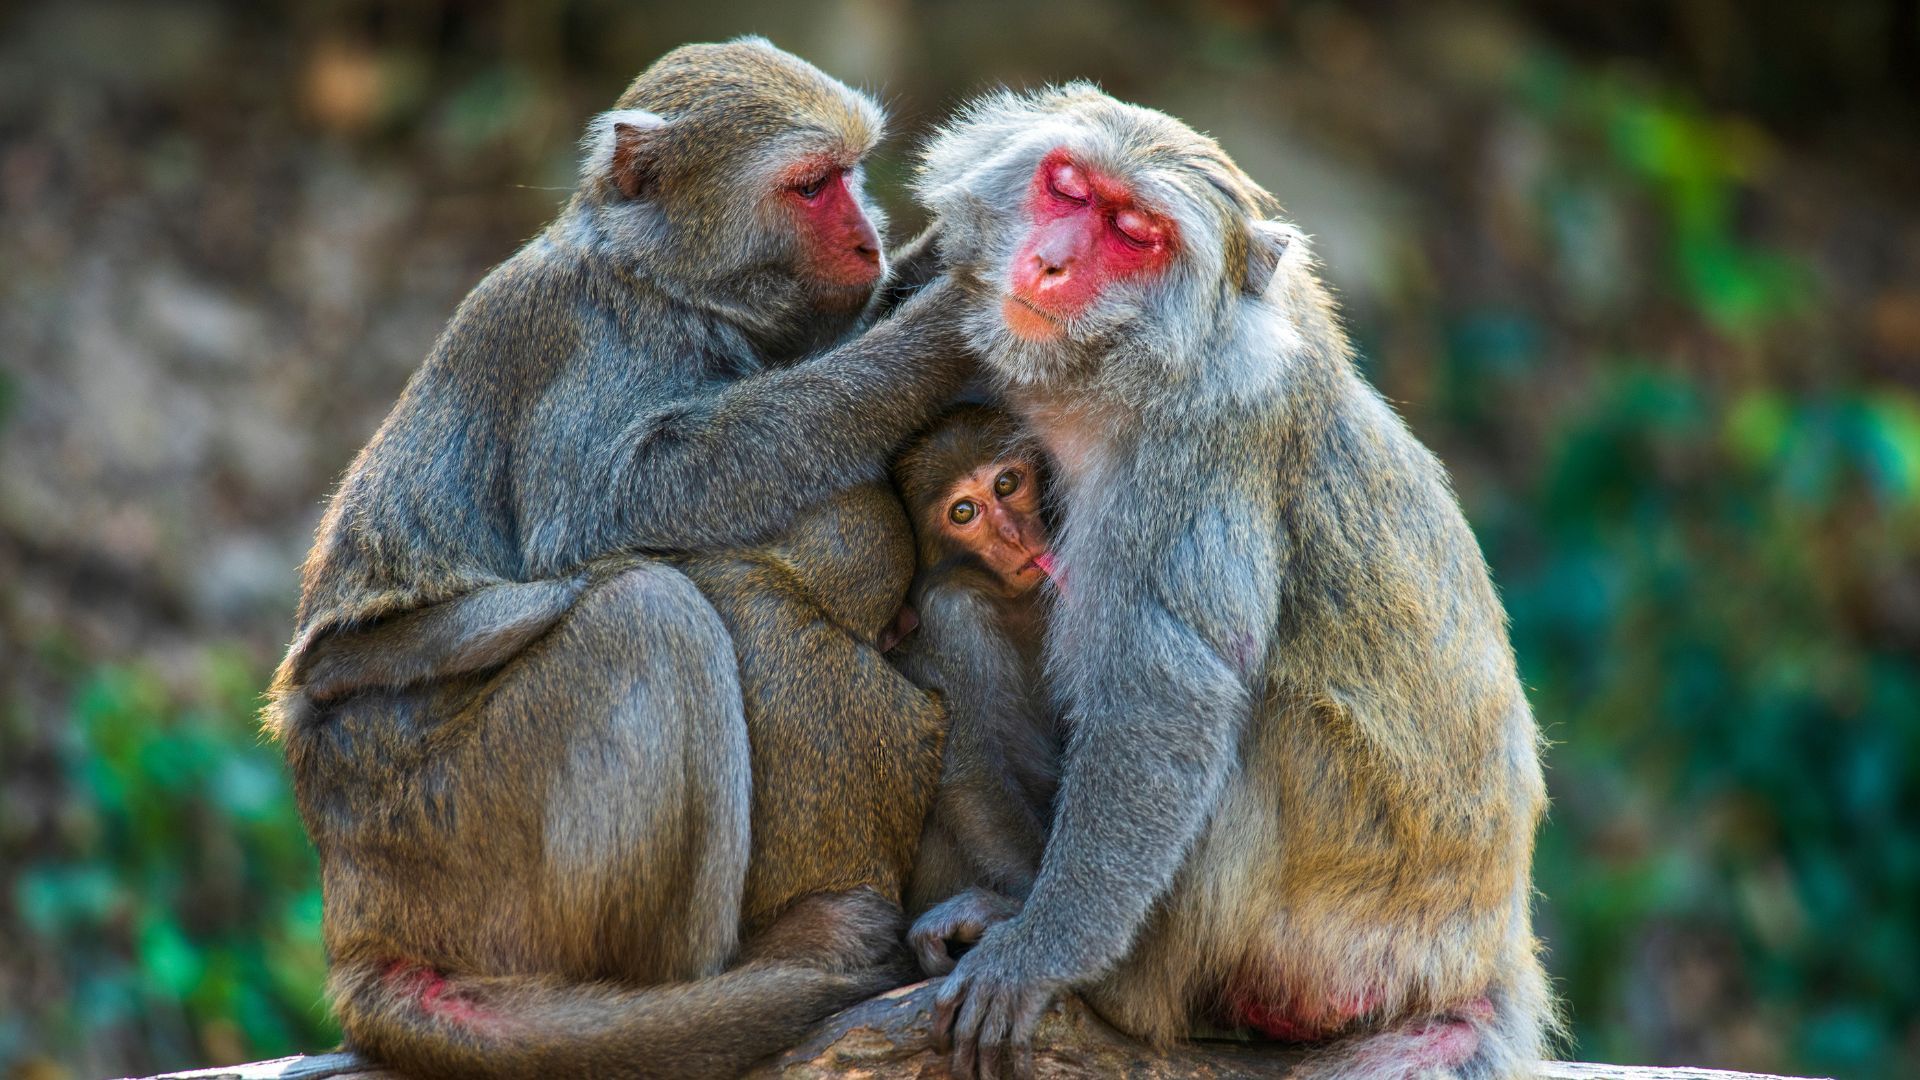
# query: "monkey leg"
[1171,984]
[845,751]
[1384,986]
[513,862]
[1500,1036]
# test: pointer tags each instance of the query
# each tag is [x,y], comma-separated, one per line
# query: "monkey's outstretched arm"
[759,449]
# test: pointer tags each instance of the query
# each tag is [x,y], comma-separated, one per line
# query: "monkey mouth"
[1026,319]
[1042,562]
[839,298]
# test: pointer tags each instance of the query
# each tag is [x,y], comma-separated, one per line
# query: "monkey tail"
[1500,1036]
[431,1024]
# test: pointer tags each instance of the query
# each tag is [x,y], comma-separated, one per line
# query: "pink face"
[994,512]
[838,243]
[1089,231]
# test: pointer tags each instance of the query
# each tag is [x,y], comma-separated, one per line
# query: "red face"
[994,512]
[1089,230]
[838,243]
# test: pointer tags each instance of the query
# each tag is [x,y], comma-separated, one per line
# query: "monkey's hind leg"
[1501,1036]
[546,882]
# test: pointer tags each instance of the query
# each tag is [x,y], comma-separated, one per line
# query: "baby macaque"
[973,487]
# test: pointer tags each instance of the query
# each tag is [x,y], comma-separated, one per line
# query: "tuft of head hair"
[701,107]
[964,438]
[1014,129]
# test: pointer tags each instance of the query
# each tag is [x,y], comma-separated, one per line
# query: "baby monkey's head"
[973,486]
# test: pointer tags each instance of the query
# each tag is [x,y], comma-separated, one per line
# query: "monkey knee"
[662,668]
[656,768]
[660,603]
[647,633]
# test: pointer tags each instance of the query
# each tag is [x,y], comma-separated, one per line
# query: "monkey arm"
[1161,660]
[961,652]
[1158,657]
[764,446]
[1147,758]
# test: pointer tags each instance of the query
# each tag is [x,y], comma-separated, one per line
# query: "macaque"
[974,489]
[584,687]
[1301,778]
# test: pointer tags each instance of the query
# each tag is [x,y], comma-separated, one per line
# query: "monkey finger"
[1026,1020]
[932,953]
[946,1005]
[995,1027]
[966,1038]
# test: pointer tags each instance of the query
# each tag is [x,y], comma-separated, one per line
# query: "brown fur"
[805,613]
[515,724]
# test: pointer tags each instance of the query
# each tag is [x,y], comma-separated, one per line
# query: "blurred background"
[1646,275]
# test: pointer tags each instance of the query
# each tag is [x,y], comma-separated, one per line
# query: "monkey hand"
[985,1013]
[957,920]
[913,264]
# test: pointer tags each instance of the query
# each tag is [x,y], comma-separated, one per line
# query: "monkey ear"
[624,148]
[1267,243]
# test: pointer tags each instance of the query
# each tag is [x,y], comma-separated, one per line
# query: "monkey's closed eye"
[1136,228]
[963,511]
[1066,183]
[1006,483]
[811,188]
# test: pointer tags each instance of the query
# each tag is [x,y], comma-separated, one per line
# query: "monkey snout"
[1052,268]
[1052,255]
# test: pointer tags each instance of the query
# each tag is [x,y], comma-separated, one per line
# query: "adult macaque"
[518,740]
[1301,779]
[973,488]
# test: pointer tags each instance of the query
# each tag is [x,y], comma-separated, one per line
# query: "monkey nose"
[1053,266]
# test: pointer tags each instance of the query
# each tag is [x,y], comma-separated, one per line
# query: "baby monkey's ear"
[624,148]
[1267,244]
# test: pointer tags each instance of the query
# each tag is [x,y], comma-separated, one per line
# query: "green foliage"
[180,892]
[1731,754]
[1692,568]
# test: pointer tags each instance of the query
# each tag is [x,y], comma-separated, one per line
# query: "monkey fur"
[515,724]
[1301,780]
[979,645]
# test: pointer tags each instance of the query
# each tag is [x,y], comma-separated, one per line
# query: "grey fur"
[1299,757]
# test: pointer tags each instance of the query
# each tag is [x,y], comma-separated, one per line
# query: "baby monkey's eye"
[963,511]
[1006,483]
